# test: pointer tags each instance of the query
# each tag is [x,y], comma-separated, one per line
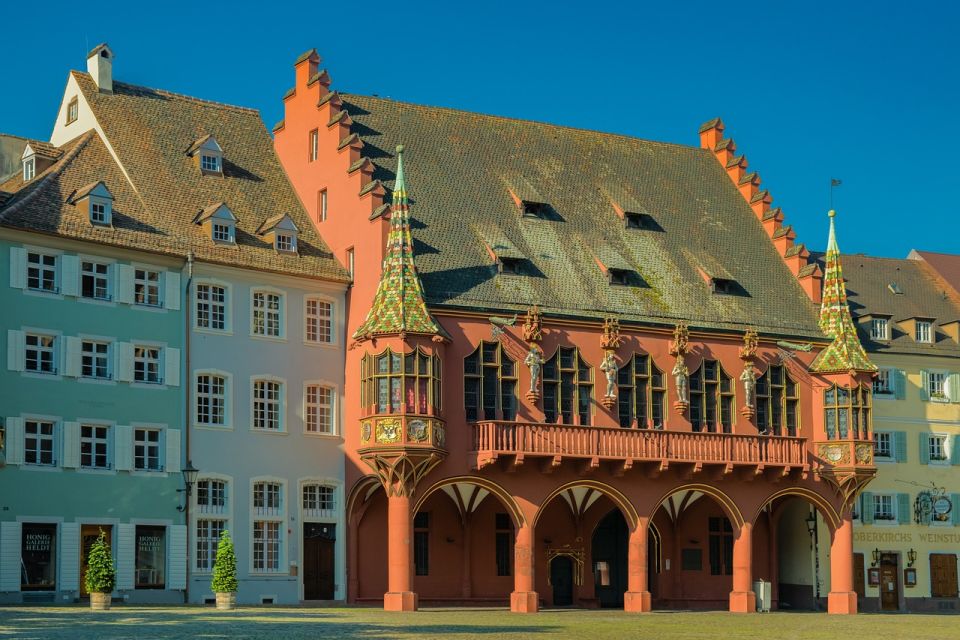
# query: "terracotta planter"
[100,601]
[226,600]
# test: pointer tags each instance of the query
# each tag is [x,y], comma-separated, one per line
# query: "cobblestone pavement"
[283,623]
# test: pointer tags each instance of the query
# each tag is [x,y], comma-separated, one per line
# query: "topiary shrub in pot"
[224,582]
[101,575]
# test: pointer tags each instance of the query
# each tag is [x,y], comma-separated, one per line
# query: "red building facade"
[581,372]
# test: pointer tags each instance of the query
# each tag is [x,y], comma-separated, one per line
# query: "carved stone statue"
[680,376]
[609,367]
[749,379]
[534,361]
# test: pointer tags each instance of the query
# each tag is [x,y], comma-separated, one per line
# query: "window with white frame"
[209,162]
[318,500]
[98,212]
[882,444]
[146,449]
[938,448]
[211,496]
[267,319]
[266,545]
[323,205]
[73,111]
[884,507]
[286,242]
[882,384]
[94,446]
[318,409]
[924,331]
[222,232]
[95,359]
[95,280]
[267,498]
[40,353]
[935,385]
[267,400]
[314,145]
[29,168]
[211,400]
[146,287]
[208,535]
[39,443]
[319,320]
[42,272]
[211,307]
[879,328]
[146,364]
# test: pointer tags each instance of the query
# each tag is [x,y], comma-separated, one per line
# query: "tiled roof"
[45,149]
[150,131]
[868,292]
[461,167]
[946,265]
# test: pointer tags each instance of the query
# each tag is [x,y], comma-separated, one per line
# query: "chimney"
[100,67]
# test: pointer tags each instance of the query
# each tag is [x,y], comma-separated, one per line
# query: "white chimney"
[100,67]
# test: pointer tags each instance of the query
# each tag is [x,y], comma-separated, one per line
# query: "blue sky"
[867,93]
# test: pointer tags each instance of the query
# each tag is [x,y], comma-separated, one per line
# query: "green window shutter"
[866,514]
[955,454]
[955,511]
[924,448]
[924,384]
[903,508]
[900,446]
[899,383]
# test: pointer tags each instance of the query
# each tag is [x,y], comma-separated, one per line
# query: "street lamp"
[911,557]
[189,479]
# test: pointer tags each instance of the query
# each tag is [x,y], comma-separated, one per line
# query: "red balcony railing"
[493,439]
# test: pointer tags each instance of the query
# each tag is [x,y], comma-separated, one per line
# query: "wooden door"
[319,543]
[889,582]
[943,575]
[561,579]
[88,535]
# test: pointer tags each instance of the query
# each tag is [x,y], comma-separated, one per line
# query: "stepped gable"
[471,171]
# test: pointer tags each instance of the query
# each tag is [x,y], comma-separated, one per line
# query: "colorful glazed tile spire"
[398,307]
[845,353]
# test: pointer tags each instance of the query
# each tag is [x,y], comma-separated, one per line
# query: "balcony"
[513,442]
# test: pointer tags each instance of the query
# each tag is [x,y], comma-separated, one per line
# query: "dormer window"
[510,266]
[286,242]
[534,209]
[722,285]
[219,222]
[633,220]
[29,168]
[924,331]
[879,328]
[95,202]
[619,277]
[208,155]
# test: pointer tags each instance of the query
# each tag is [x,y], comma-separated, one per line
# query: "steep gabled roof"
[465,171]
[945,265]
[154,209]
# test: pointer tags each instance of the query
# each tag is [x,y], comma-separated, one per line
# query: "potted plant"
[224,582]
[101,574]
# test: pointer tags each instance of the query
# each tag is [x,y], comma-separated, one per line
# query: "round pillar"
[842,599]
[400,595]
[742,598]
[524,598]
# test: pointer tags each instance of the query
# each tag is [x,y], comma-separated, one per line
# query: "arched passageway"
[610,559]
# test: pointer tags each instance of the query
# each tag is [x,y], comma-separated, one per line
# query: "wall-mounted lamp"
[189,479]
[911,557]
[876,557]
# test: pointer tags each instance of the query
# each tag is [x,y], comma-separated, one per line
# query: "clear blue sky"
[865,92]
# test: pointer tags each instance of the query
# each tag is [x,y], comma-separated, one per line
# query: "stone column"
[742,598]
[842,598]
[400,595]
[637,597]
[524,598]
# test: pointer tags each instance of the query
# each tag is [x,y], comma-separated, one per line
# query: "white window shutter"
[71,445]
[124,284]
[10,556]
[69,275]
[14,441]
[177,572]
[123,449]
[70,556]
[18,267]
[126,556]
[15,350]
[951,387]
[171,367]
[171,293]
[74,353]
[124,362]
[172,461]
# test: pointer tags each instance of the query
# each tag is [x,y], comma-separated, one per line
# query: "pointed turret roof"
[398,307]
[845,353]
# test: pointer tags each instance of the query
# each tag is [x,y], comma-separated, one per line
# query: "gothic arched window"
[401,382]
[777,402]
[489,384]
[711,398]
[640,393]
[567,387]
